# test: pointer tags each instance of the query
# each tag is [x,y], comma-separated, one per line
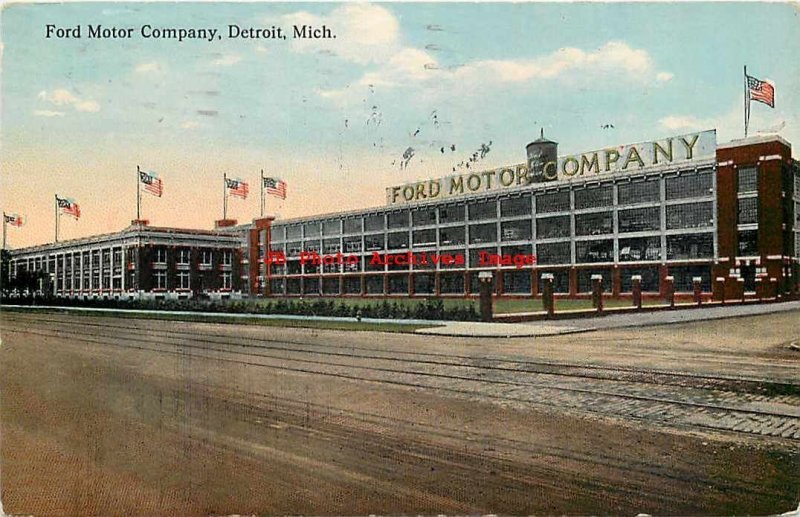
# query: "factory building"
[139,262]
[670,211]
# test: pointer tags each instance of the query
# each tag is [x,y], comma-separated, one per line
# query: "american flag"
[275,187]
[152,183]
[13,219]
[69,206]
[237,187]
[761,91]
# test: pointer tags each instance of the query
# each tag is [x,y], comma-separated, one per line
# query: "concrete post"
[670,288]
[721,288]
[697,289]
[547,294]
[597,292]
[485,279]
[636,280]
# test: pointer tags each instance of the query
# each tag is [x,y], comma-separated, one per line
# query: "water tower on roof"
[540,152]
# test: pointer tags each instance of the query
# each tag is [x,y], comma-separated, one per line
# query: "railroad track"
[673,399]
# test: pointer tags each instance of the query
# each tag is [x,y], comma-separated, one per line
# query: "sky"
[334,117]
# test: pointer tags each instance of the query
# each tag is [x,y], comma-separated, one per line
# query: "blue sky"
[334,117]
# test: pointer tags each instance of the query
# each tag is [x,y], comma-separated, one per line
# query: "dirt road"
[120,416]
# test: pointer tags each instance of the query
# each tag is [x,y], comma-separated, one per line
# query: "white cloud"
[365,33]
[664,77]
[90,106]
[190,124]
[61,97]
[262,49]
[153,66]
[48,113]
[229,60]
[686,123]
[412,67]
[58,97]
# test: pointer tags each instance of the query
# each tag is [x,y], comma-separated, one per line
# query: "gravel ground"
[120,417]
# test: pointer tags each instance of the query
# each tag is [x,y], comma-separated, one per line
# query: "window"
[352,225]
[398,219]
[227,257]
[311,286]
[483,210]
[278,233]
[424,284]
[451,283]
[695,246]
[451,214]
[331,227]
[293,286]
[330,245]
[161,256]
[639,220]
[374,284]
[398,240]
[747,180]
[452,236]
[691,215]
[516,230]
[515,206]
[594,251]
[160,279]
[425,237]
[398,284]
[351,266]
[184,280]
[475,256]
[311,229]
[226,280]
[330,286]
[277,285]
[352,286]
[423,216]
[552,227]
[517,282]
[373,242]
[552,202]
[554,253]
[748,243]
[353,244]
[294,232]
[638,192]
[748,210]
[374,223]
[640,249]
[597,197]
[205,257]
[184,256]
[594,224]
[689,185]
[479,233]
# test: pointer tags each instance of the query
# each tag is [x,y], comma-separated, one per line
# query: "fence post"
[597,292]
[670,280]
[485,279]
[547,294]
[636,280]
[697,288]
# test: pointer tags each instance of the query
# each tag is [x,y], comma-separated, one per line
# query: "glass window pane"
[638,192]
[688,185]
[594,197]
[594,224]
[517,206]
[552,227]
[691,215]
[552,202]
[639,220]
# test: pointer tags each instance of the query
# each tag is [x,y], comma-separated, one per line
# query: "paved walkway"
[670,316]
[477,329]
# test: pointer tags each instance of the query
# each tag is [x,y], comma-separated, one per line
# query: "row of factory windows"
[182,280]
[637,249]
[678,217]
[683,186]
[513,282]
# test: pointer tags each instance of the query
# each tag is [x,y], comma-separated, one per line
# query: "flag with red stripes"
[237,187]
[275,187]
[761,91]
[152,183]
[68,206]
[13,219]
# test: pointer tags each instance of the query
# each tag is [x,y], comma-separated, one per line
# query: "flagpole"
[746,103]
[138,196]
[56,212]
[4,230]
[224,195]
[262,193]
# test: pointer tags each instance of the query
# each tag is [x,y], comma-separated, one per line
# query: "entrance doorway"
[748,273]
